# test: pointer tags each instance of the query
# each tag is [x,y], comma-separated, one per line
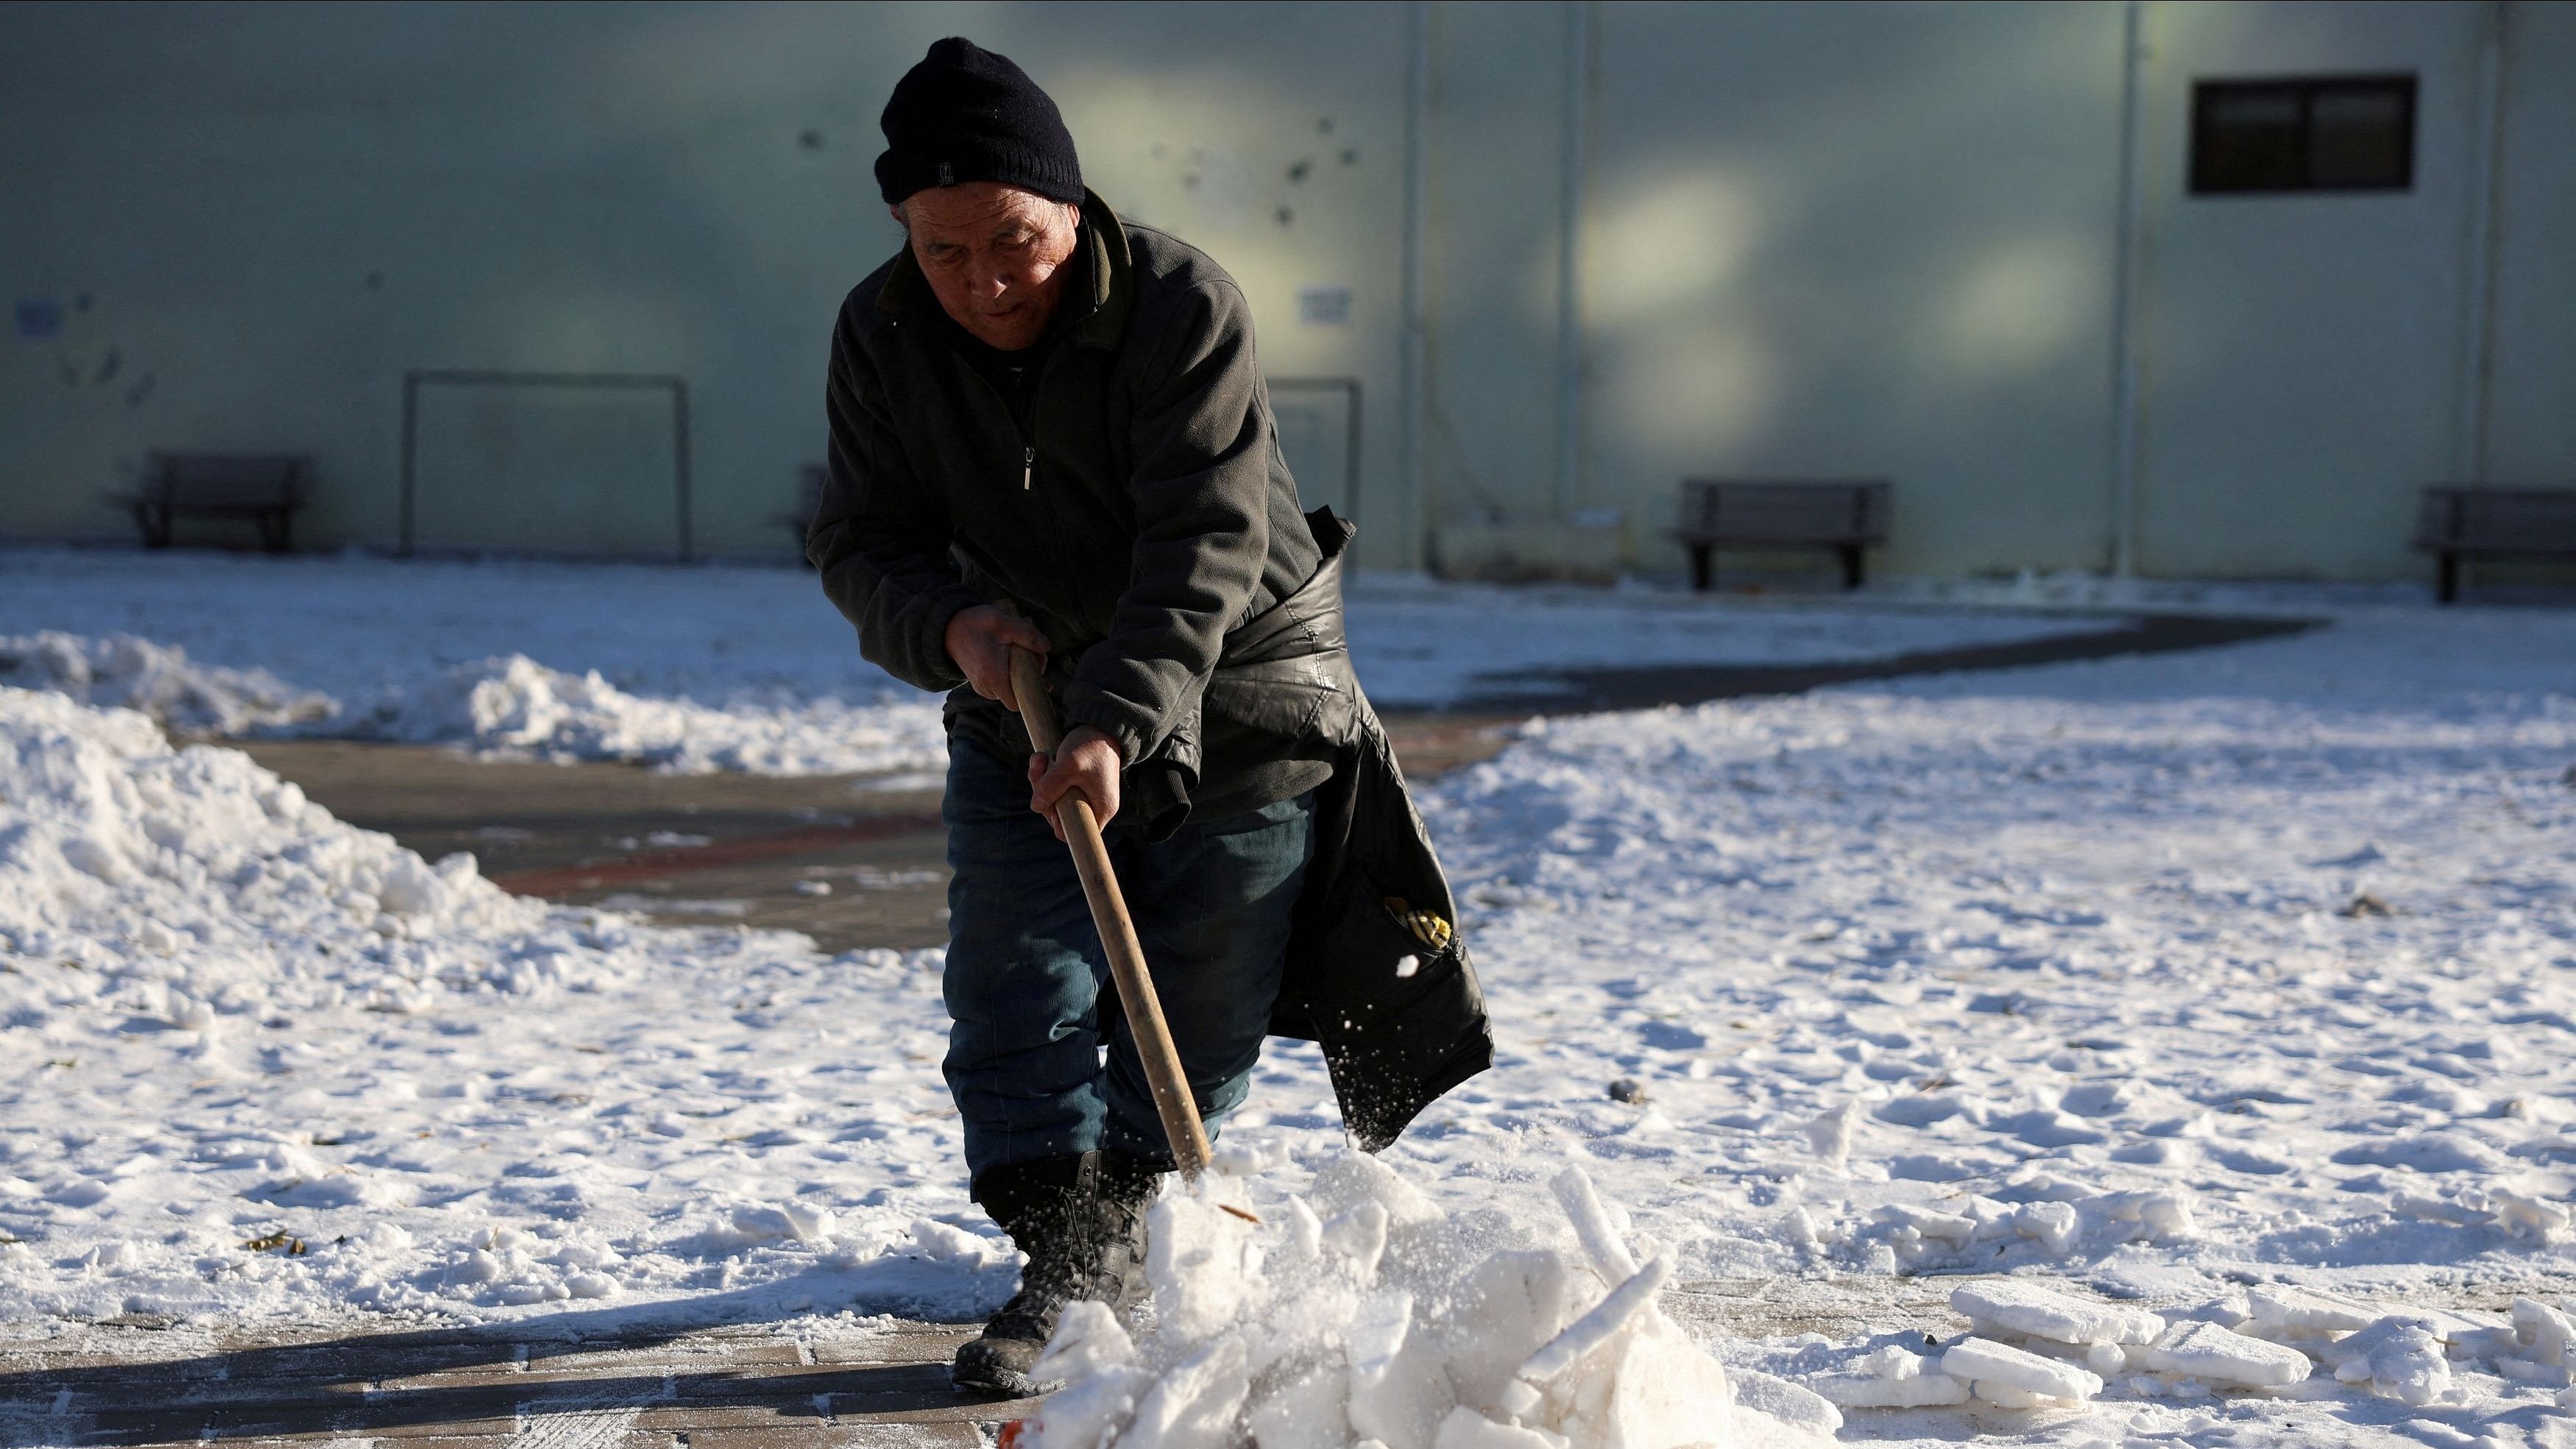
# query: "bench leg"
[154,520]
[1703,568]
[1851,566]
[273,536]
[2448,591]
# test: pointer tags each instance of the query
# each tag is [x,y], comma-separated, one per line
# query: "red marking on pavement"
[556,880]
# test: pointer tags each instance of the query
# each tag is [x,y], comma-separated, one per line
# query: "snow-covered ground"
[732,668]
[2235,987]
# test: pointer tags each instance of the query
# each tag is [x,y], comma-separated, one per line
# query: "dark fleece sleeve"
[1201,441]
[880,537]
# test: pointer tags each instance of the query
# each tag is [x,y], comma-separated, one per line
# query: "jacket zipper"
[1028,467]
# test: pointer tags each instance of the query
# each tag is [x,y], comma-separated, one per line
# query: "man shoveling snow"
[1049,433]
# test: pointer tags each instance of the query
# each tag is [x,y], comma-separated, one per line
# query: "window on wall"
[2309,133]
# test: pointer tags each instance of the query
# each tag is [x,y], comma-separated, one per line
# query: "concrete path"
[822,1383]
[856,861]
[849,860]
[546,1383]
[572,1382]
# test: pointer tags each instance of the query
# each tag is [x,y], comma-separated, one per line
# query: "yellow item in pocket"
[1427,928]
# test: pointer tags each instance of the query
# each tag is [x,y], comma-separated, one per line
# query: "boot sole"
[975,1373]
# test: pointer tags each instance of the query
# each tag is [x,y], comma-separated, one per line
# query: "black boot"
[1081,1220]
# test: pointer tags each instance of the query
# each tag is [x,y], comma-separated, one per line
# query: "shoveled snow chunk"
[1797,1407]
[1193,1405]
[1398,1393]
[1196,1255]
[810,1224]
[1079,1415]
[942,1241]
[1984,1362]
[2399,1357]
[2053,1224]
[1653,1386]
[1088,1339]
[1348,1181]
[2166,1214]
[1505,1308]
[2546,1334]
[1893,1362]
[1831,1133]
[1305,1412]
[1467,1429]
[1592,1225]
[1626,1303]
[2016,1306]
[2280,1308]
[1950,1227]
[1867,1391]
[2207,1351]
[2005,1396]
[2526,1216]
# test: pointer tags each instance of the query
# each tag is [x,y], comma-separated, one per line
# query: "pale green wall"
[600,187]
[2303,353]
[2531,420]
[1854,239]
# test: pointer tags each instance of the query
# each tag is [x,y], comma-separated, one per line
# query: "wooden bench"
[2462,521]
[266,488]
[1844,516]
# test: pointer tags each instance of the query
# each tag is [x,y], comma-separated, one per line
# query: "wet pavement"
[850,860]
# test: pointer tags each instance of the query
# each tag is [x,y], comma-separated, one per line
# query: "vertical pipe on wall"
[2479,236]
[1569,263]
[1413,427]
[2127,269]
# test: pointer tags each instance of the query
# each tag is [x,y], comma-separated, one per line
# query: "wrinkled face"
[994,256]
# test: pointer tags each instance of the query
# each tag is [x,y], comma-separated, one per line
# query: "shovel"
[1153,1036]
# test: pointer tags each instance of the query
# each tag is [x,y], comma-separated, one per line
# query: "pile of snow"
[260,1061]
[123,672]
[688,669]
[506,707]
[231,883]
[516,707]
[1363,1313]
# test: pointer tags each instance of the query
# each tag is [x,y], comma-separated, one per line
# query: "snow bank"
[508,707]
[123,672]
[515,706]
[207,877]
[1363,1313]
[257,1060]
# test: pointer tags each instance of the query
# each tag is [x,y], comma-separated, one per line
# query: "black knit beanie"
[965,114]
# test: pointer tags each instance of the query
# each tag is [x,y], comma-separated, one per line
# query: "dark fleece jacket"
[1142,515]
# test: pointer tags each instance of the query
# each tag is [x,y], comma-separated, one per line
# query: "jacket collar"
[1100,313]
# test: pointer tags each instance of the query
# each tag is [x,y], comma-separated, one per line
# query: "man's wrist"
[1083,733]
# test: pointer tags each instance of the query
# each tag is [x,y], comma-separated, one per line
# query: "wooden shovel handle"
[1109,916]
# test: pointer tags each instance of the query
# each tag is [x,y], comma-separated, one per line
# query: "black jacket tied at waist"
[1377,971]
